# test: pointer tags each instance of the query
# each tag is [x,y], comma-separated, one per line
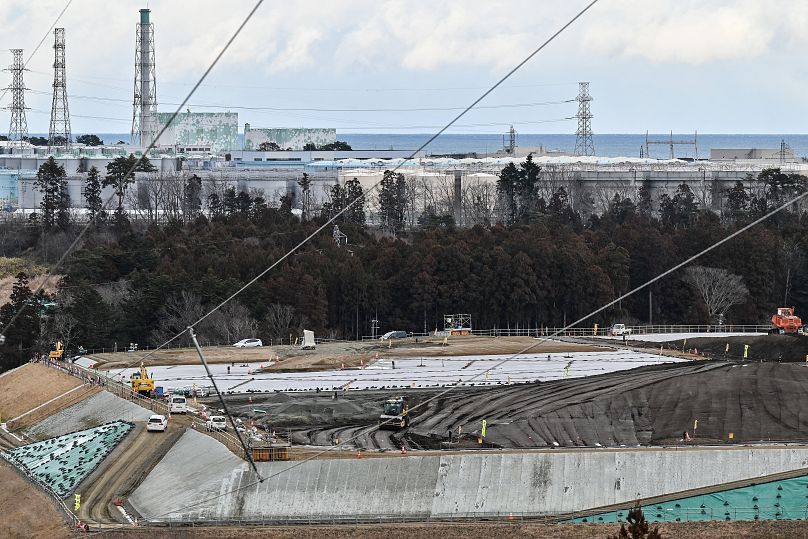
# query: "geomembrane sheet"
[63,462]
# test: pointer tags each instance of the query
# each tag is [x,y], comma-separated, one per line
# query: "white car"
[248,343]
[157,423]
[216,422]
[619,329]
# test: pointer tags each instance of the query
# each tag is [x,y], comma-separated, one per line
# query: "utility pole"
[583,136]
[59,133]
[18,129]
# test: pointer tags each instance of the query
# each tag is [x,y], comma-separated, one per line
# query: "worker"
[394,364]
[228,369]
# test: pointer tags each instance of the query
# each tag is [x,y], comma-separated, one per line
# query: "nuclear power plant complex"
[271,160]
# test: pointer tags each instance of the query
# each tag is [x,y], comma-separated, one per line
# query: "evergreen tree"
[392,202]
[51,182]
[192,200]
[22,335]
[353,191]
[305,188]
[92,195]
[121,173]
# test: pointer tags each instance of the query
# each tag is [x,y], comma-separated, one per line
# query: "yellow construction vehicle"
[57,350]
[142,383]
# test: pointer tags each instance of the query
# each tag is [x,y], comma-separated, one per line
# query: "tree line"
[542,265]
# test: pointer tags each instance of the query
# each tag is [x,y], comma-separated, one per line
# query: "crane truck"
[785,321]
[395,415]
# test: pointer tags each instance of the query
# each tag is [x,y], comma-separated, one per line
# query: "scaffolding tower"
[59,132]
[583,136]
[18,129]
[144,113]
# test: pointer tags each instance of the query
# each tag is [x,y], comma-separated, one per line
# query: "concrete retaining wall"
[204,472]
[95,410]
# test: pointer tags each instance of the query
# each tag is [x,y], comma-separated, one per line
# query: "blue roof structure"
[63,462]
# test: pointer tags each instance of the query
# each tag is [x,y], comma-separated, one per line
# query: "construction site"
[573,432]
[514,431]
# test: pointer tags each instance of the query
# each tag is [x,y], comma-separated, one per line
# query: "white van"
[178,404]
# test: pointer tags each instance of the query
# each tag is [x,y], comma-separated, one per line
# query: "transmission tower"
[144,114]
[59,133]
[583,137]
[18,130]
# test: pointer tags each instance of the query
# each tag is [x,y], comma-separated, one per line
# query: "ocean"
[606,145]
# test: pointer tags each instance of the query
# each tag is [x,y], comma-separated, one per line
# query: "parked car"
[157,423]
[394,335]
[619,329]
[216,422]
[248,343]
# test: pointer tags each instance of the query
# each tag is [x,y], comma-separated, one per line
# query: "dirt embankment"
[26,511]
[31,385]
[334,355]
[785,348]
[504,530]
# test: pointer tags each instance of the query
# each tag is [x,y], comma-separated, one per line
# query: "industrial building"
[288,138]
[193,132]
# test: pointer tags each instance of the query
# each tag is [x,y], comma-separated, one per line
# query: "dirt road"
[122,471]
[333,355]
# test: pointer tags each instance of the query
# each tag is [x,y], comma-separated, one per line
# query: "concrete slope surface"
[100,408]
[536,482]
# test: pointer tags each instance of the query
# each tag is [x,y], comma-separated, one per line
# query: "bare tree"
[177,313]
[279,319]
[792,260]
[719,289]
[233,322]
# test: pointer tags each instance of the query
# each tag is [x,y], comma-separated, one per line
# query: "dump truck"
[785,321]
[395,415]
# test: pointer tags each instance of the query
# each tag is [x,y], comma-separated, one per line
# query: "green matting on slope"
[783,499]
[63,462]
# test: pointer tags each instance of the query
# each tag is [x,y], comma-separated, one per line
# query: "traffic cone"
[510,516]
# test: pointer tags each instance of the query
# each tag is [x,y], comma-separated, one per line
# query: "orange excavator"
[785,321]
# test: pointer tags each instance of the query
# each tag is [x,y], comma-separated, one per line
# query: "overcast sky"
[713,66]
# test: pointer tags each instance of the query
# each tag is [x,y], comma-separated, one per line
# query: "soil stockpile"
[786,348]
[646,406]
[27,512]
[29,386]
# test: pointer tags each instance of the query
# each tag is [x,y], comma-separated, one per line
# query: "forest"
[541,264]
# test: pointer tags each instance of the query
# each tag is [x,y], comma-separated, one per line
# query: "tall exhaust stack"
[144,114]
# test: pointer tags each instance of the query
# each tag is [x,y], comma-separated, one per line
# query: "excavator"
[785,321]
[142,383]
[395,415]
[57,351]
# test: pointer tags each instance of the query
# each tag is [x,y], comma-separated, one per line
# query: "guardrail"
[600,332]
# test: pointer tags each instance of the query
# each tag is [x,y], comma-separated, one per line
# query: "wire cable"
[373,428]
[377,184]
[135,165]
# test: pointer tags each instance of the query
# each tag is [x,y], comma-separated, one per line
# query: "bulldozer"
[395,415]
[142,383]
[57,351]
[785,321]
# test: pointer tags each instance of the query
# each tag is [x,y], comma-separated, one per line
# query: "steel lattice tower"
[18,130]
[59,133]
[583,138]
[144,120]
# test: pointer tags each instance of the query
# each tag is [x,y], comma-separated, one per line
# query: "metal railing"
[600,332]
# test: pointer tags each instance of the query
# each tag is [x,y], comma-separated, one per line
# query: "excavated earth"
[786,348]
[652,405]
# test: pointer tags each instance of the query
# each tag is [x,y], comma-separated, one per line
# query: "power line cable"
[373,428]
[140,160]
[41,41]
[377,184]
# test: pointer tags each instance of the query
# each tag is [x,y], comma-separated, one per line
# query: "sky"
[710,66]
